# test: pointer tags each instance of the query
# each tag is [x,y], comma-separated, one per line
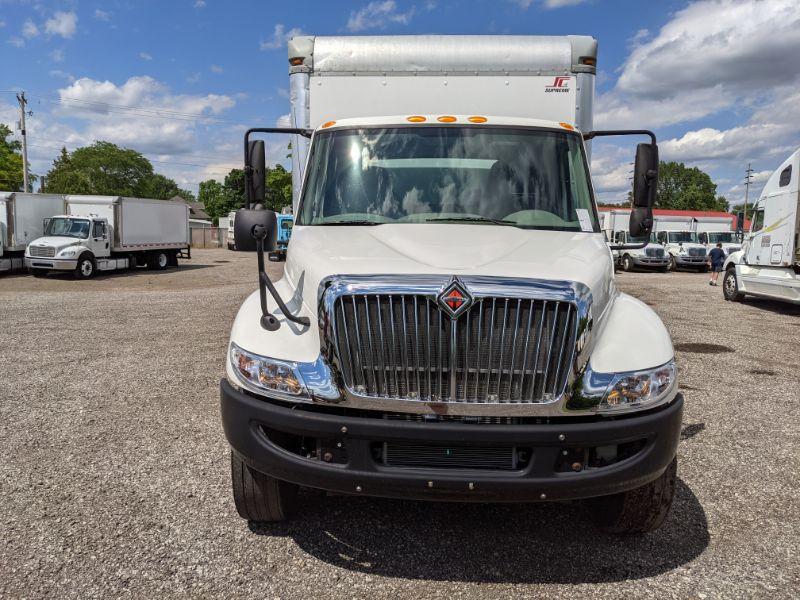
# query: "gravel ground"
[114,476]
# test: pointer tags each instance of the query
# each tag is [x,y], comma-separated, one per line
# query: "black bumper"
[245,417]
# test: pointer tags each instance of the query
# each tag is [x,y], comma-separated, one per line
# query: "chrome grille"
[697,252]
[502,350]
[42,251]
[654,252]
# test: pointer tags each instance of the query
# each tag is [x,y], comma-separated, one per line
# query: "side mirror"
[645,180]
[255,173]
[246,219]
[740,222]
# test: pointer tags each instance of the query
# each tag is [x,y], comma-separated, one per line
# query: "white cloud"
[57,55]
[526,4]
[2,23]
[62,75]
[200,3]
[62,23]
[193,78]
[280,37]
[102,15]
[378,15]
[216,69]
[29,29]
[145,56]
[128,114]
[16,41]
[284,121]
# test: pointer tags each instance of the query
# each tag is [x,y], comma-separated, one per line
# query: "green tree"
[279,188]
[106,169]
[220,198]
[684,188]
[10,161]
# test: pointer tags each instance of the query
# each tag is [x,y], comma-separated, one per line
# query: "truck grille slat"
[501,350]
[42,251]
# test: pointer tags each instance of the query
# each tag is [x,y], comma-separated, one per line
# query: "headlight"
[261,373]
[67,253]
[639,389]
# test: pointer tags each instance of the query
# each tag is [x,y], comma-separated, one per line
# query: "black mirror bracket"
[269,321]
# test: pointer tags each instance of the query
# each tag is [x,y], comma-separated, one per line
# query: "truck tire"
[158,260]
[627,263]
[259,497]
[637,511]
[86,267]
[730,286]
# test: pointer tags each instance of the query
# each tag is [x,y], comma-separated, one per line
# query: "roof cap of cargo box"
[451,54]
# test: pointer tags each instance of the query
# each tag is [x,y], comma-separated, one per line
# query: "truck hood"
[318,252]
[58,242]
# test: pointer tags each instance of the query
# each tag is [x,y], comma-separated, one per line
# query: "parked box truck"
[448,326]
[22,219]
[768,265]
[651,255]
[104,233]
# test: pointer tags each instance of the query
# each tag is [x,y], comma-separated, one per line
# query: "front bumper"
[56,264]
[683,260]
[245,419]
[650,262]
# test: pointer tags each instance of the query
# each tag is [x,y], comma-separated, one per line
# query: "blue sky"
[179,80]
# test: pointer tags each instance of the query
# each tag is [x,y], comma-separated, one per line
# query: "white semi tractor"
[768,265]
[651,255]
[22,219]
[448,324]
[105,233]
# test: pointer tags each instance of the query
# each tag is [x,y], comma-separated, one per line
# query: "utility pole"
[22,104]
[748,176]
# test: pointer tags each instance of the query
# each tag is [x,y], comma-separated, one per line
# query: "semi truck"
[447,326]
[22,219]
[768,265]
[106,233]
[678,235]
[651,256]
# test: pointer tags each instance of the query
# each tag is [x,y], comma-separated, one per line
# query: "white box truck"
[104,233]
[230,226]
[651,255]
[678,234]
[22,219]
[768,265]
[448,326]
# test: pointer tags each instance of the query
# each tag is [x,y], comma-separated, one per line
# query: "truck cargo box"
[137,223]
[22,218]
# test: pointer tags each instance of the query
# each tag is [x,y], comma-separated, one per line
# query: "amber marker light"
[477,119]
[416,119]
[567,126]
[328,124]
[446,119]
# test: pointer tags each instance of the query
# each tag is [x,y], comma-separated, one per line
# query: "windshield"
[77,228]
[723,237]
[677,237]
[526,178]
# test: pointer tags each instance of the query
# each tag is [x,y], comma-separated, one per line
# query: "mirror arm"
[593,134]
[268,320]
[629,246]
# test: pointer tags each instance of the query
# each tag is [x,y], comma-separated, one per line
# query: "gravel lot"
[114,475]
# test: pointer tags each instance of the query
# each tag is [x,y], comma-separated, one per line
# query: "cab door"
[99,240]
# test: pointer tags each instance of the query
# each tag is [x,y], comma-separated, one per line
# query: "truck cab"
[651,256]
[730,240]
[447,325]
[768,265]
[684,249]
[65,239]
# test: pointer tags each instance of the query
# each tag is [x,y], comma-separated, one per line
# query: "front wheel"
[86,267]
[627,263]
[637,511]
[730,287]
[259,497]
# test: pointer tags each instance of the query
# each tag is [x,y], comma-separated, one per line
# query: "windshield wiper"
[471,220]
[364,222]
